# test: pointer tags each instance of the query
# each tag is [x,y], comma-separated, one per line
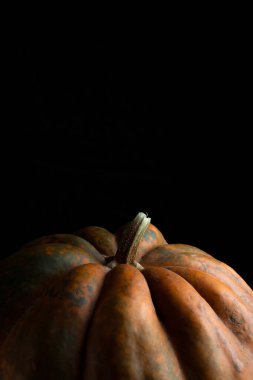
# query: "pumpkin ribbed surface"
[65,314]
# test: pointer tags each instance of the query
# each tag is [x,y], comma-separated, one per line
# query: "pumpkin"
[96,305]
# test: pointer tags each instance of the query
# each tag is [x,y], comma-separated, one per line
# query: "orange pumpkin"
[127,306]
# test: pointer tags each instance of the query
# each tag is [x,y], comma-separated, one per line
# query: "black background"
[102,127]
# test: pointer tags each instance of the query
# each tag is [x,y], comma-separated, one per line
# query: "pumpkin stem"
[131,237]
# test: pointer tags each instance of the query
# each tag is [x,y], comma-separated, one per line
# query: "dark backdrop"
[101,128]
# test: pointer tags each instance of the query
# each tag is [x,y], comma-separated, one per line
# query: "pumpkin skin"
[65,314]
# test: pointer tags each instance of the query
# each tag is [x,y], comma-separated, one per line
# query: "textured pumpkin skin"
[65,315]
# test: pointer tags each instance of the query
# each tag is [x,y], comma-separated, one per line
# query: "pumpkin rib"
[207,348]
[179,248]
[70,239]
[235,290]
[102,239]
[229,307]
[52,332]
[25,275]
[121,333]
[28,307]
[51,249]
[163,257]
